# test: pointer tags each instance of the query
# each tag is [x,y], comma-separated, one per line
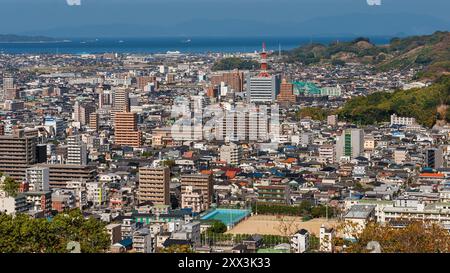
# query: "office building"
[154,185]
[56,126]
[264,87]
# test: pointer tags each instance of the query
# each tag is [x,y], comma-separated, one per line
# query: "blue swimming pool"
[227,216]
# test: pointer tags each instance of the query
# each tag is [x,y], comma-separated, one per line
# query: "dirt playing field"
[273,225]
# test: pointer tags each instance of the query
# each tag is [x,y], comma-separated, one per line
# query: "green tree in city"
[23,234]
[217,227]
[10,186]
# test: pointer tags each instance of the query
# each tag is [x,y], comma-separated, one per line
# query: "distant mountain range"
[11,38]
[359,24]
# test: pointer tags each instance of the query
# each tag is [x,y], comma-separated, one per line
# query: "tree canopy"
[10,186]
[234,63]
[416,237]
[420,103]
[23,234]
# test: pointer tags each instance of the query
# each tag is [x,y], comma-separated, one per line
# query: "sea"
[165,44]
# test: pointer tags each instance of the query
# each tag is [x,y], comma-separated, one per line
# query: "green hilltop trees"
[420,103]
[23,234]
[234,63]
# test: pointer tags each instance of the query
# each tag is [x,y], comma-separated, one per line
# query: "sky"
[75,18]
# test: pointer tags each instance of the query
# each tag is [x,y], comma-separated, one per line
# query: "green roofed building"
[306,88]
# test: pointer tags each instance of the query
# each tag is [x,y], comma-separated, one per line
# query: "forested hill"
[432,52]
[428,105]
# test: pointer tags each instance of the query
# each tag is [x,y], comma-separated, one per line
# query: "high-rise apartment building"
[76,151]
[17,153]
[244,124]
[62,174]
[434,158]
[350,144]
[121,99]
[232,154]
[9,89]
[143,81]
[234,79]
[154,185]
[94,121]
[82,112]
[202,182]
[126,130]
[38,179]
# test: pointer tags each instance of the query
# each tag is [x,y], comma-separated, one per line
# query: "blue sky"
[197,17]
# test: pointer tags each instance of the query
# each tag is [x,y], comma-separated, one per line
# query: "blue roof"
[128,242]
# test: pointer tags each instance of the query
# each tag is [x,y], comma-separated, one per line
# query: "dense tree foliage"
[177,249]
[316,113]
[23,234]
[305,208]
[217,227]
[235,63]
[10,186]
[431,52]
[421,104]
[267,240]
[417,237]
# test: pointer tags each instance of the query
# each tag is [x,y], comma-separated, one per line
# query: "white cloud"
[73,2]
[374,2]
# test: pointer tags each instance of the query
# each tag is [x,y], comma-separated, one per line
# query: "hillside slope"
[429,52]
[428,105]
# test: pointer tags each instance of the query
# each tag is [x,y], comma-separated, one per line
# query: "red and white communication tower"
[263,61]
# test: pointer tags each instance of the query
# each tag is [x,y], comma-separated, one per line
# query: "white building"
[144,241]
[96,193]
[262,89]
[232,154]
[326,237]
[76,151]
[38,178]
[13,205]
[300,241]
[396,120]
[350,144]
